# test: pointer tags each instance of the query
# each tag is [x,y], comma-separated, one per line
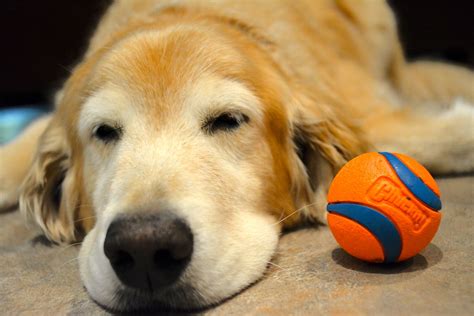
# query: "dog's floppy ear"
[324,140]
[48,194]
[52,193]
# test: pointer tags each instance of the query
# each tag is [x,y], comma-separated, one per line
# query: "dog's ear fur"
[48,195]
[52,193]
[324,140]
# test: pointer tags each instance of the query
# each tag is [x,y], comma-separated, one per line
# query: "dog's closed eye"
[226,121]
[107,133]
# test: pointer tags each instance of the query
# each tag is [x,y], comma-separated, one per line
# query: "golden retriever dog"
[192,133]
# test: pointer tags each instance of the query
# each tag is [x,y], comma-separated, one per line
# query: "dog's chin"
[112,295]
[180,298]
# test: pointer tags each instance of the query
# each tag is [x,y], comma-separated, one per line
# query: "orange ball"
[383,207]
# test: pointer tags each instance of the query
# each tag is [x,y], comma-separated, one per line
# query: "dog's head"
[180,154]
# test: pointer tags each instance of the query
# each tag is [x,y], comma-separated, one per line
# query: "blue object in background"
[14,120]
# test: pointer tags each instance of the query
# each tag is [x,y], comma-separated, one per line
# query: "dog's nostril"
[123,260]
[164,259]
[172,257]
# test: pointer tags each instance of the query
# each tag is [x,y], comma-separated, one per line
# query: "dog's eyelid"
[107,132]
[224,121]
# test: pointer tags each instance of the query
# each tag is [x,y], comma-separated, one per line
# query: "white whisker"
[292,213]
[274,264]
[84,218]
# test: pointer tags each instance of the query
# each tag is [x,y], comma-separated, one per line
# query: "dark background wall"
[42,39]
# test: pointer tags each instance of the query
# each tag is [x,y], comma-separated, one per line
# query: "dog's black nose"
[148,251]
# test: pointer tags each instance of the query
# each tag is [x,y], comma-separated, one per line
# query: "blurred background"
[42,40]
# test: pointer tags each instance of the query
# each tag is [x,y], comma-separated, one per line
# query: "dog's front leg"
[15,160]
[442,140]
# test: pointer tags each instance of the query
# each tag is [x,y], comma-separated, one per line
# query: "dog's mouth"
[178,298]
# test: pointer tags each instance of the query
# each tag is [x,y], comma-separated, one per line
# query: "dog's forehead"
[173,69]
[165,61]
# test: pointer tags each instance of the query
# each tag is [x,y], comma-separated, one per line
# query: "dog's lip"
[145,301]
[129,300]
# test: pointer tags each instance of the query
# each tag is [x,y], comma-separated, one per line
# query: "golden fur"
[327,79]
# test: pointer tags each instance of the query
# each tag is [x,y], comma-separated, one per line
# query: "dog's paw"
[8,200]
[9,190]
[13,166]
[460,110]
[457,138]
[15,161]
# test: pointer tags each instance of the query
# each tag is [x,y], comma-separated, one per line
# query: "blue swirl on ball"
[377,223]
[413,182]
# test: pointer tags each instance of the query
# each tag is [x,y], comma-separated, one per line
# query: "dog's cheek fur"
[278,192]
